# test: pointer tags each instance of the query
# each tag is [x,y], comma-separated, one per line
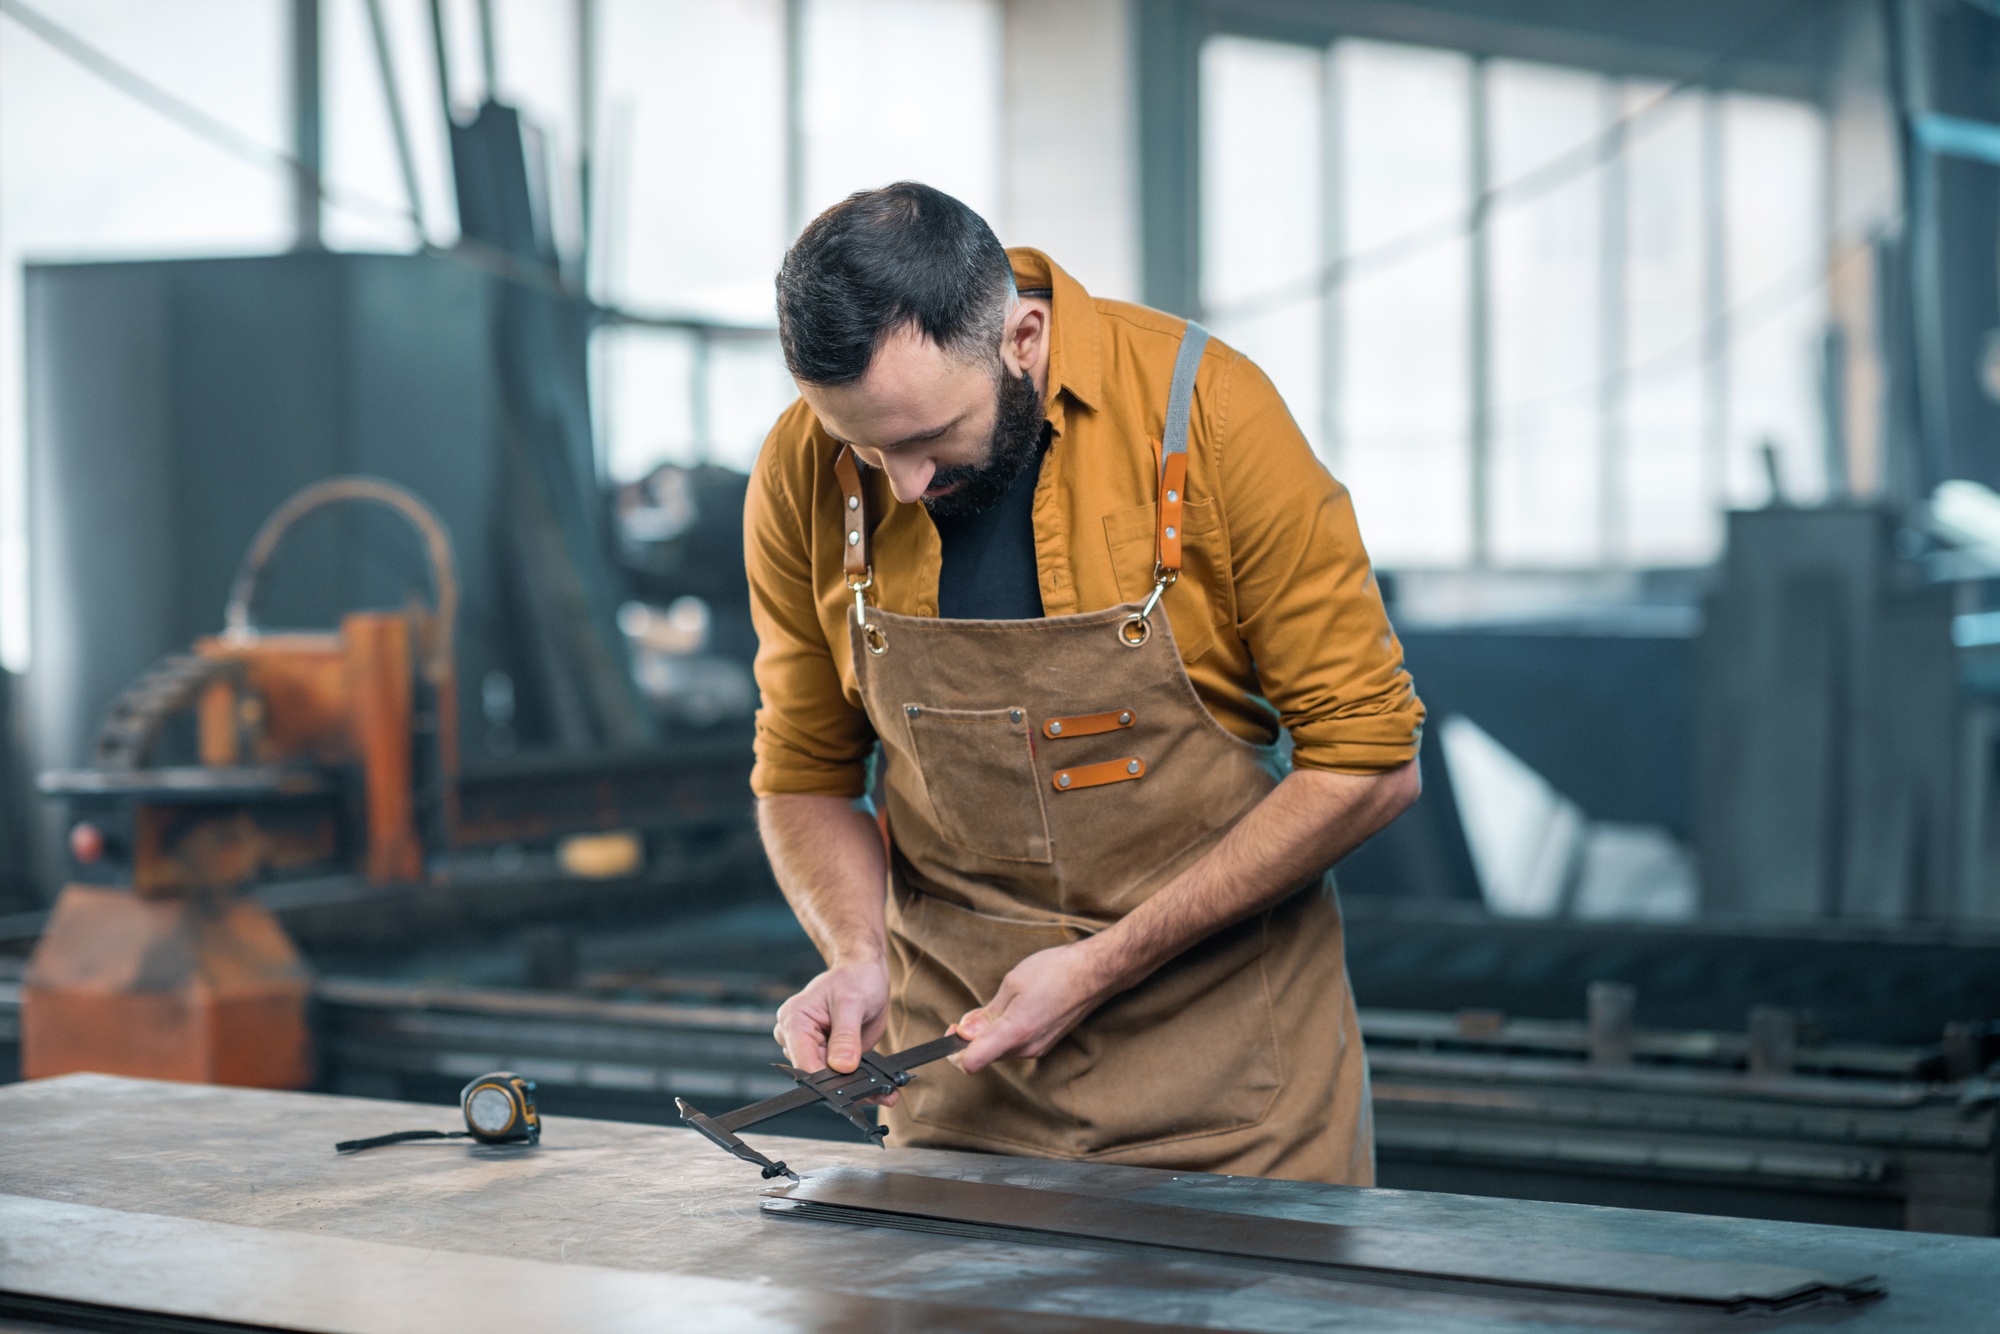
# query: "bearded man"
[1052,577]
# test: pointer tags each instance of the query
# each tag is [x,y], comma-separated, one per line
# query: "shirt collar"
[1074,365]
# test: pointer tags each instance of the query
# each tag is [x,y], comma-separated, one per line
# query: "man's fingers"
[988,1029]
[803,1039]
[996,1039]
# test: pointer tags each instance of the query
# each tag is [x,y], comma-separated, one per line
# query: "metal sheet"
[651,1200]
[78,1255]
[894,1199]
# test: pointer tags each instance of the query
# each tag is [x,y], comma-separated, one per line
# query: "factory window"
[695,220]
[1535,317]
[698,177]
[89,170]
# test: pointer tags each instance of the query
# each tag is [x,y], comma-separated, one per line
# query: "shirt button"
[924,609]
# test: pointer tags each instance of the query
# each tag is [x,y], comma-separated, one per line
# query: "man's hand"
[1042,998]
[1309,822]
[840,1014]
[828,858]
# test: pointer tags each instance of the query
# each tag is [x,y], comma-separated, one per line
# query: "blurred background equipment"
[1655,342]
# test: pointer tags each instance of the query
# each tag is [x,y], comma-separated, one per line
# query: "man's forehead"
[912,388]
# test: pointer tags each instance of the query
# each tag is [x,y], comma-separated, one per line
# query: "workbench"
[229,1208]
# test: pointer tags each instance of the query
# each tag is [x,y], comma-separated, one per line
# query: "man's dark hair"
[879,260]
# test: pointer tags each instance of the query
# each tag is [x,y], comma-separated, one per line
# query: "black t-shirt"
[988,568]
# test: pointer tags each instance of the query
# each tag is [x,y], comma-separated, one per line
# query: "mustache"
[957,474]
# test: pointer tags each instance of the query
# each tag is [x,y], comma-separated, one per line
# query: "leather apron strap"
[1173,450]
[857,558]
[1138,628]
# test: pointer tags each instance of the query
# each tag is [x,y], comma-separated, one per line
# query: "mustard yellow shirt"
[1276,613]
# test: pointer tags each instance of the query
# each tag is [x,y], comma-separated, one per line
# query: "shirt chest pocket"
[1196,604]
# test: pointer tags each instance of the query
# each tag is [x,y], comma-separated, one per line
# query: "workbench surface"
[230,1204]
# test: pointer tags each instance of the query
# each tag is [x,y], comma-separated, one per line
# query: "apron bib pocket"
[978,771]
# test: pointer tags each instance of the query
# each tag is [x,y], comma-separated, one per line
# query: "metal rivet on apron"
[854,502]
[1172,496]
[912,710]
[1124,720]
[1132,768]
[854,536]
[1055,729]
[1014,715]
[1170,532]
[1062,780]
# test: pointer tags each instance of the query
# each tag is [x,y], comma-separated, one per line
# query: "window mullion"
[1480,322]
[1333,243]
[1612,256]
[1715,306]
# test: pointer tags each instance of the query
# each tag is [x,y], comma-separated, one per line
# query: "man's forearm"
[1307,823]
[827,857]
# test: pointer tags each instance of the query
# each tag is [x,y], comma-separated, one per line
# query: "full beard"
[1015,443]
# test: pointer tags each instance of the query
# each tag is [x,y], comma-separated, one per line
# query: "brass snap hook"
[860,587]
[1137,628]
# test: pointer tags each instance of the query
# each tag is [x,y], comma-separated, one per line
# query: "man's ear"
[1024,341]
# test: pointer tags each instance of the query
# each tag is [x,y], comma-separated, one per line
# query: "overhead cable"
[1551,175]
[184,113]
[486,259]
[1752,313]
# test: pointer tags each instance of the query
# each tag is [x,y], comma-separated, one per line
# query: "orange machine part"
[339,699]
[302,683]
[204,989]
[381,692]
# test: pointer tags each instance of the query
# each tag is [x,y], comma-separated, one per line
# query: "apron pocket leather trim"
[1097,775]
[1090,724]
[978,771]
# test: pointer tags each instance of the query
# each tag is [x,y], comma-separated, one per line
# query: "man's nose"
[909,479]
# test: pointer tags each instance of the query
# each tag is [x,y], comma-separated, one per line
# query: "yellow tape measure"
[499,1109]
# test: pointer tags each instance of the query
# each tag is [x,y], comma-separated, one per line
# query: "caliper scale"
[844,1092]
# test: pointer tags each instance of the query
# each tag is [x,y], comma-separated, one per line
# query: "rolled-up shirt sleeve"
[1307,603]
[811,739]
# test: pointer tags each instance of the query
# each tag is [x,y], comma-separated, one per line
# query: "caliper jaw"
[717,1135]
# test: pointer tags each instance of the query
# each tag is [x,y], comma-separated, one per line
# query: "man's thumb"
[843,1043]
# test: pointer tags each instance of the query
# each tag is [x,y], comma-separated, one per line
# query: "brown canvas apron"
[1042,778]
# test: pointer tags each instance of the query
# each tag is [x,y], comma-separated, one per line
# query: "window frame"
[1169,39]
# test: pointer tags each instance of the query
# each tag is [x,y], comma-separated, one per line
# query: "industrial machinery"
[312,751]
[327,758]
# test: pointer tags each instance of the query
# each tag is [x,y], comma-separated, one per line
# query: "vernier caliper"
[844,1093]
